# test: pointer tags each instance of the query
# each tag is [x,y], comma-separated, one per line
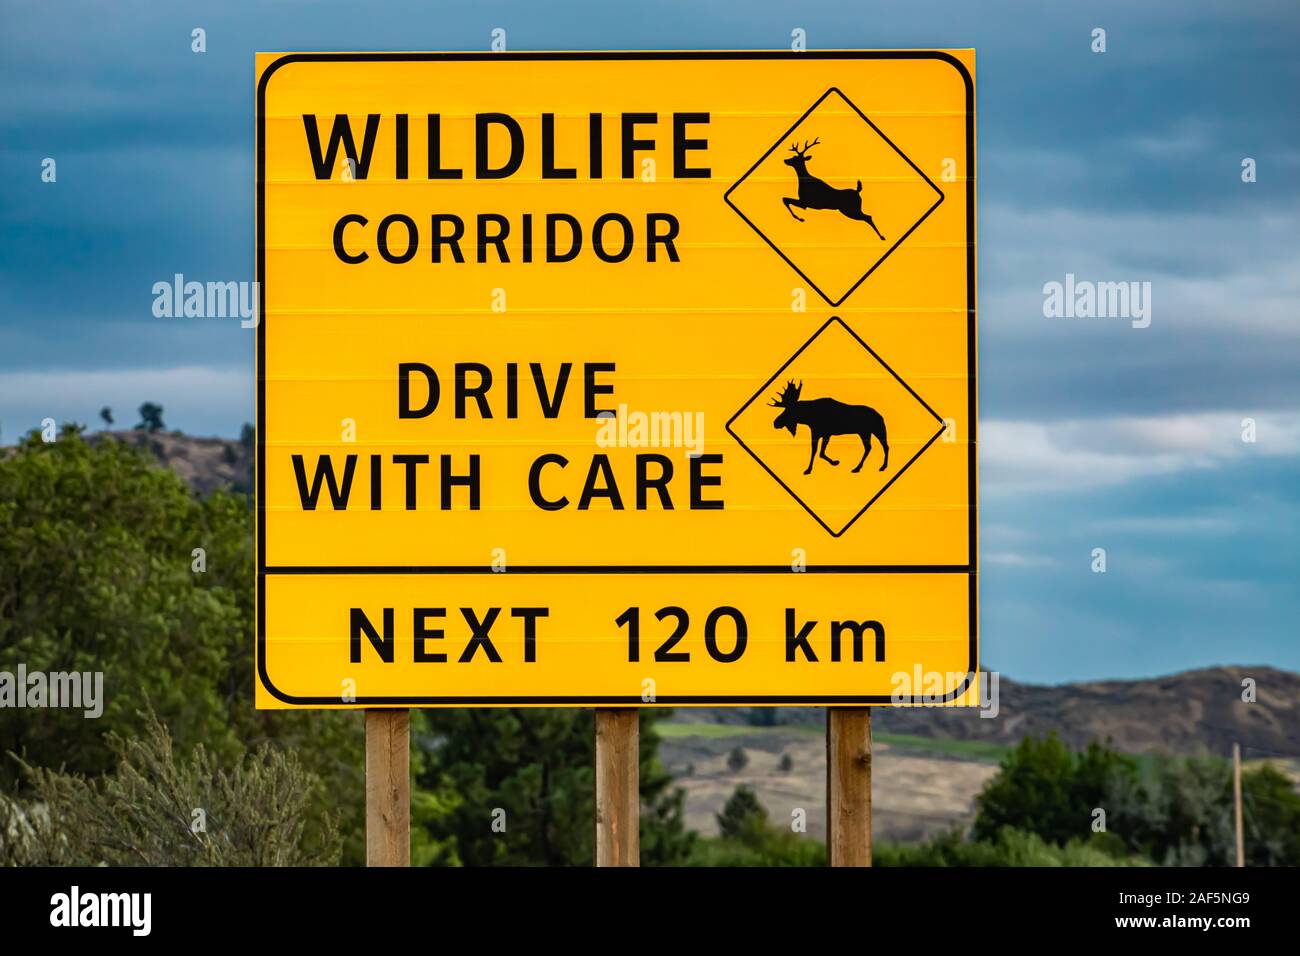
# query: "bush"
[742,816]
[749,839]
[157,810]
[1009,847]
[737,760]
[787,849]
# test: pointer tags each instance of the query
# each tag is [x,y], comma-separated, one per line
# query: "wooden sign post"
[388,788]
[848,786]
[618,787]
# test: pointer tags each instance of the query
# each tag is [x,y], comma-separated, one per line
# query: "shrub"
[1009,847]
[742,816]
[156,809]
[749,839]
[737,760]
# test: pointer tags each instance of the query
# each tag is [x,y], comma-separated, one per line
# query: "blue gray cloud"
[1119,166]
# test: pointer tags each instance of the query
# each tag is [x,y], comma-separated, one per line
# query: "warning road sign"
[636,378]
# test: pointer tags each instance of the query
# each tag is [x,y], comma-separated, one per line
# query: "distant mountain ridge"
[1194,712]
[1197,711]
[206,463]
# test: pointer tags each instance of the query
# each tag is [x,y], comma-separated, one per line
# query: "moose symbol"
[816,194]
[826,417]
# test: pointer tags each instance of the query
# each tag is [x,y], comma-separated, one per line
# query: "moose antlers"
[794,147]
[790,393]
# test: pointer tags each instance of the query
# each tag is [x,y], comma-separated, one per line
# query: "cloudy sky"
[1117,166]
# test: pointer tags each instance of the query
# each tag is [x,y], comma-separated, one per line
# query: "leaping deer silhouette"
[817,194]
[827,417]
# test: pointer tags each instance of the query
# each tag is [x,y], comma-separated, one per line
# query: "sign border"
[969,569]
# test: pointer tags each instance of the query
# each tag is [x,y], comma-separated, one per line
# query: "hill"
[206,463]
[1197,711]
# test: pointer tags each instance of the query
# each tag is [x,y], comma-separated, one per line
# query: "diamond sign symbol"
[835,426]
[834,196]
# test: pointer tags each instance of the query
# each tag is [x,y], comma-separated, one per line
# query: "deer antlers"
[794,147]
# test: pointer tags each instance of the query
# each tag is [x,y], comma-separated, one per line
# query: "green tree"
[1272,818]
[737,760]
[523,782]
[1175,811]
[1180,813]
[742,816]
[748,838]
[1035,789]
[1099,771]
[151,417]
[96,575]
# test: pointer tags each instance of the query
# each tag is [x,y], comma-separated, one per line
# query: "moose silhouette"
[827,417]
[817,194]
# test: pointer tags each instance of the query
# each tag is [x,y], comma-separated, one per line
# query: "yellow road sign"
[616,378]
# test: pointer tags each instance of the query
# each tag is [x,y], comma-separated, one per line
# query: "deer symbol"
[826,417]
[816,194]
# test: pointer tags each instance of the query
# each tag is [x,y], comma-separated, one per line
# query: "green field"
[962,749]
[674,729]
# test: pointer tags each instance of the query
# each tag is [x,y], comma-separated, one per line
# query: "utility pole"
[1236,799]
